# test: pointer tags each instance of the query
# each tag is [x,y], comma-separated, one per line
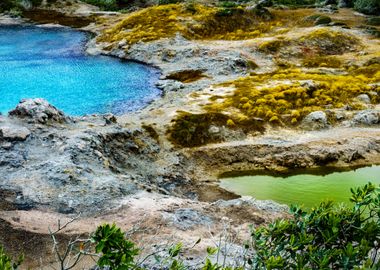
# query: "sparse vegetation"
[7,263]
[190,130]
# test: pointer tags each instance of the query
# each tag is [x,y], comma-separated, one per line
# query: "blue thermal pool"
[51,63]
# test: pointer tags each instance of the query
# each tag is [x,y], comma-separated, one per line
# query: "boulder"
[315,120]
[364,98]
[366,118]
[38,111]
[13,133]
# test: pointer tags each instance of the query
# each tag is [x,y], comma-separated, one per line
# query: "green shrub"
[6,262]
[327,237]
[117,253]
[370,7]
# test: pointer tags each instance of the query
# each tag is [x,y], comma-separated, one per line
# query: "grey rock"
[366,118]
[187,218]
[247,201]
[364,98]
[214,129]
[315,120]
[14,133]
[169,85]
[38,111]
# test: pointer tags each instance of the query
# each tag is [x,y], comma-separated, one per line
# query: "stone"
[14,133]
[169,85]
[214,129]
[187,218]
[315,120]
[364,98]
[366,118]
[38,111]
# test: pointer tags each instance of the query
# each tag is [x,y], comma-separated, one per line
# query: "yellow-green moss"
[329,42]
[199,22]
[318,43]
[292,94]
[322,61]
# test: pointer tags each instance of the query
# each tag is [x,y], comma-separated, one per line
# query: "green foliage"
[6,262]
[327,237]
[368,6]
[112,5]
[103,4]
[7,5]
[117,252]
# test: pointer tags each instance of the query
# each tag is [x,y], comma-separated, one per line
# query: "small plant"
[117,253]
[6,262]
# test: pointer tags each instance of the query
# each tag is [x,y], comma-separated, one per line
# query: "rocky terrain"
[129,169]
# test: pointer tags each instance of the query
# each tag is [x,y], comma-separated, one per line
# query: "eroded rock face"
[38,111]
[315,120]
[83,166]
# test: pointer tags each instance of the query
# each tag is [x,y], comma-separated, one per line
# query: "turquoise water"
[302,189]
[51,63]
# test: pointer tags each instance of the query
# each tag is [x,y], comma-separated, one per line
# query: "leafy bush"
[117,253]
[7,5]
[103,4]
[6,262]
[328,237]
[368,6]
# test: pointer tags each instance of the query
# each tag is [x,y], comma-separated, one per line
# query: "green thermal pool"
[303,189]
